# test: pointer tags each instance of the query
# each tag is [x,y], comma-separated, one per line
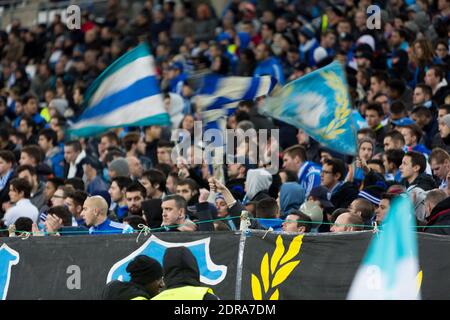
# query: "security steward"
[182,277]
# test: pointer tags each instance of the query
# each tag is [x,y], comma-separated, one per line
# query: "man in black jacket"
[332,177]
[437,205]
[413,171]
[182,277]
[145,283]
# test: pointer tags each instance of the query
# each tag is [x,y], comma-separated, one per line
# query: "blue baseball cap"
[403,122]
[176,65]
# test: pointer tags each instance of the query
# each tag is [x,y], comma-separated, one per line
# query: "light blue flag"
[318,103]
[390,269]
[125,94]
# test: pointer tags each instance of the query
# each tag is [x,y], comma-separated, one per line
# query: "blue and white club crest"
[210,273]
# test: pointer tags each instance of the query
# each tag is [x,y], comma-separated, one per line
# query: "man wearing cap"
[95,211]
[93,181]
[182,277]
[118,168]
[176,77]
[145,281]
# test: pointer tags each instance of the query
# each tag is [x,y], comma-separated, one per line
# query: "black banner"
[267,266]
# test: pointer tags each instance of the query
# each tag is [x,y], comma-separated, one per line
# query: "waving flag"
[219,96]
[318,103]
[390,270]
[126,94]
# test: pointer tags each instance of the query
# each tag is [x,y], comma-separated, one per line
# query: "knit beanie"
[120,166]
[143,270]
[60,105]
[446,120]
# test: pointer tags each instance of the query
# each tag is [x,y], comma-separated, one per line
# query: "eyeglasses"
[58,197]
[327,172]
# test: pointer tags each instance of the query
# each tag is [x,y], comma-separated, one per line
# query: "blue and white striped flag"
[219,96]
[126,94]
[390,269]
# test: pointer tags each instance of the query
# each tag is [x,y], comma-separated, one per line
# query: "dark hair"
[163,167]
[388,196]
[395,156]
[426,89]
[415,130]
[111,153]
[23,224]
[376,107]
[75,144]
[368,132]
[446,107]
[63,213]
[377,162]
[337,166]
[34,152]
[78,196]
[49,135]
[156,177]
[302,217]
[397,107]
[422,111]
[30,122]
[395,136]
[438,71]
[189,182]
[417,159]
[296,151]
[137,186]
[77,183]
[122,182]
[290,175]
[180,202]
[56,182]
[381,76]
[21,185]
[267,208]
[397,85]
[165,144]
[26,167]
[336,213]
[130,139]
[134,221]
[111,136]
[7,156]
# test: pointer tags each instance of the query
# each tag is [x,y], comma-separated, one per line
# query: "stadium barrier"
[237,265]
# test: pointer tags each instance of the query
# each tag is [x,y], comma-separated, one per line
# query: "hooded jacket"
[257,180]
[423,181]
[439,216]
[118,290]
[181,269]
[292,195]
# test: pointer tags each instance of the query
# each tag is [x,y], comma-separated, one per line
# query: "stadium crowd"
[126,179]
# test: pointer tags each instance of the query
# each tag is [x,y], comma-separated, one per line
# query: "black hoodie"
[423,181]
[439,216]
[118,290]
[181,269]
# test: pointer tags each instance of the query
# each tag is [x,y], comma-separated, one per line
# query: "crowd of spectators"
[126,178]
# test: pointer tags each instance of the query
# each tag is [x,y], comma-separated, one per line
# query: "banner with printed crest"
[256,266]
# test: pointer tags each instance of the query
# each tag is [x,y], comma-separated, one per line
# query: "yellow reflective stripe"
[139,298]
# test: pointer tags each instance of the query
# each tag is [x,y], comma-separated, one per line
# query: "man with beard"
[198,208]
[135,195]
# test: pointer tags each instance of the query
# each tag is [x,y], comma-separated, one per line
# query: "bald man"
[95,211]
[347,222]
[135,167]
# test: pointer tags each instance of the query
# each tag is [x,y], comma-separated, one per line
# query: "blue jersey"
[309,176]
[109,227]
[272,68]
